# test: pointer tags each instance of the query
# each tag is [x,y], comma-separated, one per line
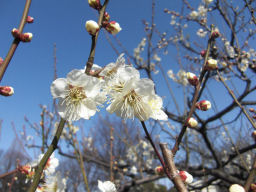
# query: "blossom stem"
[195,96]
[46,156]
[235,100]
[155,149]
[79,158]
[90,61]
[15,42]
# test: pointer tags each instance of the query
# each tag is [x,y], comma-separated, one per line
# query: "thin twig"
[235,99]
[15,42]
[155,149]
[195,96]
[90,61]
[79,158]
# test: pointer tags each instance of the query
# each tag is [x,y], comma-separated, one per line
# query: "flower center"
[75,94]
[132,98]
[133,106]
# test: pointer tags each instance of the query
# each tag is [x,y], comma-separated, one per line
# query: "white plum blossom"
[193,14]
[171,74]
[202,11]
[78,94]
[106,186]
[244,64]
[51,164]
[229,49]
[134,170]
[236,188]
[182,77]
[201,33]
[55,183]
[137,99]
[129,95]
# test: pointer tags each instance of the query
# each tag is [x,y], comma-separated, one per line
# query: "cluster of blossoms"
[52,179]
[180,77]
[129,96]
[140,153]
[111,26]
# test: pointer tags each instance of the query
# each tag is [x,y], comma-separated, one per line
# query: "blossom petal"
[69,114]
[59,87]
[87,109]
[77,78]
[145,87]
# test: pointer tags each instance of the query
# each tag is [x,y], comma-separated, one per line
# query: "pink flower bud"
[26,169]
[95,4]
[6,90]
[159,170]
[236,188]
[113,27]
[254,135]
[92,27]
[1,60]
[203,105]
[192,122]
[202,53]
[192,79]
[186,177]
[211,64]
[26,37]
[15,33]
[106,16]
[215,33]
[30,19]
[251,110]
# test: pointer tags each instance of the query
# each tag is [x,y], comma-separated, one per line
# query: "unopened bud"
[6,90]
[236,188]
[26,169]
[215,33]
[113,27]
[106,16]
[211,64]
[30,19]
[95,4]
[92,27]
[15,33]
[202,53]
[192,122]
[186,177]
[159,170]
[254,135]
[192,79]
[251,110]
[253,187]
[26,37]
[203,105]
[1,60]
